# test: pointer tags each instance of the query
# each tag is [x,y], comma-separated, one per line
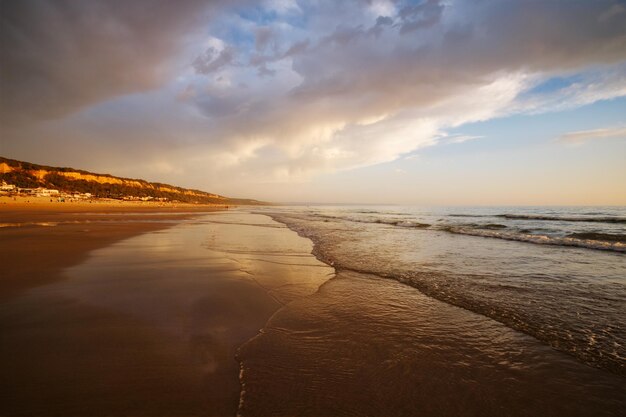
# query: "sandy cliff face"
[5,168]
[41,174]
[101,179]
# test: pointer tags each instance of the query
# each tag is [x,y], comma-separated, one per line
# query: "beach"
[139,313]
[152,311]
[302,208]
[33,254]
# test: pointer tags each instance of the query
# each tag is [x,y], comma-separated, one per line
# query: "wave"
[390,222]
[587,240]
[459,292]
[399,223]
[469,215]
[491,226]
[605,237]
[545,217]
[606,219]
[600,241]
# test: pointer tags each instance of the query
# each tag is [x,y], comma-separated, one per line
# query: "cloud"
[453,139]
[600,83]
[263,36]
[282,6]
[57,57]
[213,60]
[283,90]
[423,15]
[583,136]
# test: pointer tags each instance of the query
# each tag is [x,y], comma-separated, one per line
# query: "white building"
[7,188]
[46,192]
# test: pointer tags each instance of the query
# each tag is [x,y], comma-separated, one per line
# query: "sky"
[426,102]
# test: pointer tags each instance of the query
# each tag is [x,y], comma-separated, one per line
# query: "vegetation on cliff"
[29,175]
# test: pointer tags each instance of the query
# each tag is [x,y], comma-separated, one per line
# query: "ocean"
[508,310]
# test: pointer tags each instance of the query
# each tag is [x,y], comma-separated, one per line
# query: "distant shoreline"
[51,204]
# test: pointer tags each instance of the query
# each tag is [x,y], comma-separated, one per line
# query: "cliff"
[28,175]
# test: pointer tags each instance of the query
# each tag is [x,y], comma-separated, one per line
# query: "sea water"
[449,311]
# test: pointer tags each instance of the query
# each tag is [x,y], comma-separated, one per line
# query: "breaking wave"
[606,219]
[542,217]
[601,241]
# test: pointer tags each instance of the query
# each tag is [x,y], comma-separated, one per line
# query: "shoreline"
[334,337]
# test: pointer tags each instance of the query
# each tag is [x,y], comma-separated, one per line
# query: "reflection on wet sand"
[150,325]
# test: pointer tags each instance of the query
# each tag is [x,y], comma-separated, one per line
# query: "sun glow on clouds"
[284,90]
[353,101]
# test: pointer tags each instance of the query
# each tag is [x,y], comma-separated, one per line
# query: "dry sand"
[50,203]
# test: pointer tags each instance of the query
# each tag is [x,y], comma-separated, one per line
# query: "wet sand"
[143,325]
[368,346]
[38,240]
